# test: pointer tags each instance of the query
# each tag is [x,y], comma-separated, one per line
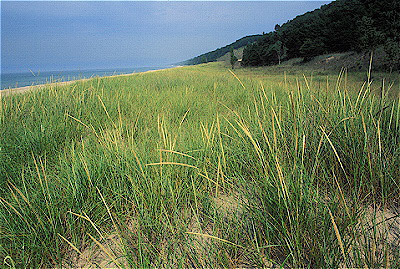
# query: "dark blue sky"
[85,35]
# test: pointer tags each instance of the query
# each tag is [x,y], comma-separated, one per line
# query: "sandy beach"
[6,92]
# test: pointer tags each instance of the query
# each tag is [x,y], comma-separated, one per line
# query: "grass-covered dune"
[200,167]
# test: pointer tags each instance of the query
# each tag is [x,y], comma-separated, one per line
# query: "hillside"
[212,56]
[355,27]
[361,26]
[351,61]
[237,52]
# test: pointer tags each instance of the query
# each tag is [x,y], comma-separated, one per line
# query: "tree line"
[343,25]
[215,54]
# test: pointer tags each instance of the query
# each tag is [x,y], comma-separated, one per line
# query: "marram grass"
[202,167]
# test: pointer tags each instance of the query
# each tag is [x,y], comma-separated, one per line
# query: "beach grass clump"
[202,167]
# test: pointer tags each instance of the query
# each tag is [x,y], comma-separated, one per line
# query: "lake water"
[15,80]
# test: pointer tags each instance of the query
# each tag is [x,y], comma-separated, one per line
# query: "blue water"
[15,80]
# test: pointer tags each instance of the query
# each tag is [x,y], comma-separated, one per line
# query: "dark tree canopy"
[341,26]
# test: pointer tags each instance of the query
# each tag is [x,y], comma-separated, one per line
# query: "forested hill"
[343,25]
[215,54]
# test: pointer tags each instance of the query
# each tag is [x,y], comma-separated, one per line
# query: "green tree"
[280,50]
[370,36]
[233,59]
[392,51]
[340,26]
[312,48]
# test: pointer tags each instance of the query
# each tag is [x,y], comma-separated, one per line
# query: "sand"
[35,87]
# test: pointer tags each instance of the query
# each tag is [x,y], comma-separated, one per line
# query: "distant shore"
[24,89]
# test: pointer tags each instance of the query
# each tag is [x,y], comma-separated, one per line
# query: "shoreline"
[24,89]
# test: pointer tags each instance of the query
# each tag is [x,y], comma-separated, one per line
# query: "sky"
[71,35]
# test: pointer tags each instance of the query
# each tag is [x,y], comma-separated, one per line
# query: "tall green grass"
[201,167]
